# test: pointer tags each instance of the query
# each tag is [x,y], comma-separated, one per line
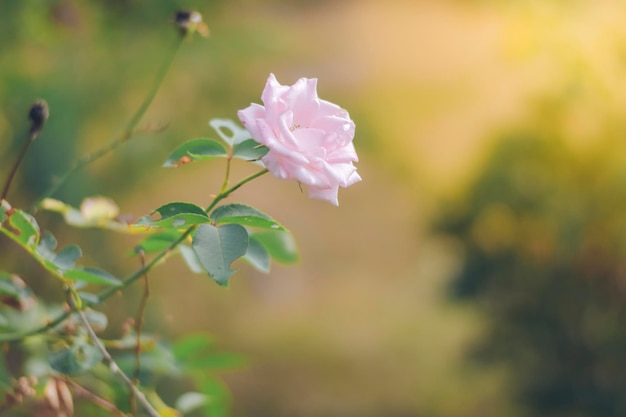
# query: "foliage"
[542,232]
[62,359]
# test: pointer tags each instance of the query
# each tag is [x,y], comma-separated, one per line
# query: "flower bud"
[38,115]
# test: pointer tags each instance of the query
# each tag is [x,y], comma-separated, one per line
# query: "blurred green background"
[478,269]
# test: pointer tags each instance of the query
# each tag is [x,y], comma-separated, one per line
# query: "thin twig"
[97,400]
[38,114]
[9,180]
[139,325]
[113,366]
[128,133]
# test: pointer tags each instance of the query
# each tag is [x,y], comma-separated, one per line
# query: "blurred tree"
[543,231]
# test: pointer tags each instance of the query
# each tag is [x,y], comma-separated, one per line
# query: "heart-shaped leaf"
[191,259]
[218,247]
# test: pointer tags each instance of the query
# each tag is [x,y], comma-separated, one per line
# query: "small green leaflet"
[280,246]
[79,357]
[249,150]
[232,133]
[21,227]
[257,256]
[92,276]
[245,216]
[176,216]
[195,150]
[158,241]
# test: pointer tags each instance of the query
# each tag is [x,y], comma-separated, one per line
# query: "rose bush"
[309,139]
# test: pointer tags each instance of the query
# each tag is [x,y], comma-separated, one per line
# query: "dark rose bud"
[189,22]
[38,115]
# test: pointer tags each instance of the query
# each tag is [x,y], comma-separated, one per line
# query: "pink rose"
[309,139]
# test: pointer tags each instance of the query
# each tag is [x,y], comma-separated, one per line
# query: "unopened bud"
[189,22]
[38,115]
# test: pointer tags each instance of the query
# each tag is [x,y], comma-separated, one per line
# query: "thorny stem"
[108,359]
[123,138]
[137,274]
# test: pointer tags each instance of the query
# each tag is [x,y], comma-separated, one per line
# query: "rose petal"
[327,194]
[309,139]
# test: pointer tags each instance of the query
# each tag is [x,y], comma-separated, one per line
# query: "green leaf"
[47,245]
[257,255]
[90,298]
[155,362]
[79,357]
[192,345]
[232,133]
[245,216]
[280,245]
[218,247]
[217,361]
[177,215]
[157,242]
[194,150]
[191,259]
[249,150]
[219,397]
[92,276]
[66,258]
[56,262]
[23,228]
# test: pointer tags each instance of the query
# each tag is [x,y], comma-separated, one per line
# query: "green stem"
[227,176]
[104,295]
[232,189]
[126,134]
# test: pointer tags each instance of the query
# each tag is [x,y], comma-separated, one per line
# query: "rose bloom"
[309,139]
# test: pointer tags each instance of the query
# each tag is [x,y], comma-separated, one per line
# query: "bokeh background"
[478,269]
